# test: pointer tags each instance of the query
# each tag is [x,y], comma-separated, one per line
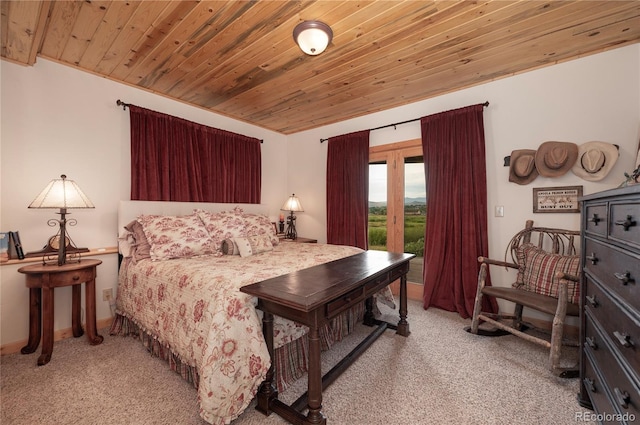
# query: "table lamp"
[64,194]
[292,205]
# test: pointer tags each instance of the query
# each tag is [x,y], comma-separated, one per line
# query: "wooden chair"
[547,281]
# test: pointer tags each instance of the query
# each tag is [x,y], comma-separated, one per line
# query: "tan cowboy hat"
[595,160]
[522,166]
[554,159]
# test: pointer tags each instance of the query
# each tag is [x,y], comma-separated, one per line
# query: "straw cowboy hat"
[554,159]
[522,166]
[595,160]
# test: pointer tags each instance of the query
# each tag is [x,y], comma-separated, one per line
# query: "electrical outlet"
[107,294]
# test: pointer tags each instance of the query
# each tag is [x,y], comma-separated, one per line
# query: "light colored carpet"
[439,374]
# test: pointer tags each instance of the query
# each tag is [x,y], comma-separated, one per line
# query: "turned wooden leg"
[314,400]
[369,318]
[35,317]
[267,390]
[403,325]
[47,324]
[90,302]
[76,319]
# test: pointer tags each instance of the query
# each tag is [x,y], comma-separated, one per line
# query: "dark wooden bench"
[547,244]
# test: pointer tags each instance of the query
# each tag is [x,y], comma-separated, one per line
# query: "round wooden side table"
[42,279]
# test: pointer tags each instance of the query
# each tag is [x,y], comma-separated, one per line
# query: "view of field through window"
[414,206]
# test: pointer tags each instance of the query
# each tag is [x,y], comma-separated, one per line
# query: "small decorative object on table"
[4,246]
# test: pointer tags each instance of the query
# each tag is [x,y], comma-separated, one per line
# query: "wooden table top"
[307,289]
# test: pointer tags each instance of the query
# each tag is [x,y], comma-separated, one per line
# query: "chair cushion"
[537,271]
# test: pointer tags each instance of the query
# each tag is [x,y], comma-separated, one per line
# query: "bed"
[178,291]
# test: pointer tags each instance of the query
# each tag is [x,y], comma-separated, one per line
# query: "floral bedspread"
[194,307]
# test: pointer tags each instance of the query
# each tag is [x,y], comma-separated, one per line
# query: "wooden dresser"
[610,300]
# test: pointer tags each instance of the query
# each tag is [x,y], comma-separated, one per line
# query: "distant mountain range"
[407,201]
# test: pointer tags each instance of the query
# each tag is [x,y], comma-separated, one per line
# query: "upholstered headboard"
[130,210]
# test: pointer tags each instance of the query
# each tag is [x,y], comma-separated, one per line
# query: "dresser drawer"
[597,391]
[623,394]
[625,223]
[596,219]
[622,330]
[618,271]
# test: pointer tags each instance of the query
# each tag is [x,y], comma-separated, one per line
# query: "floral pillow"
[537,272]
[176,236]
[260,225]
[222,225]
[253,245]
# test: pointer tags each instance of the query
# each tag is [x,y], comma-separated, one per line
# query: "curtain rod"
[124,108]
[485,104]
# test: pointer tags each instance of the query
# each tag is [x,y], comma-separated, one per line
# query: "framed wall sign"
[556,199]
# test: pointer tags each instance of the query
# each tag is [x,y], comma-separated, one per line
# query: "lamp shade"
[312,37]
[292,204]
[61,193]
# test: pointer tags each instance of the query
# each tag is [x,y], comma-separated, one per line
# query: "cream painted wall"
[57,120]
[592,98]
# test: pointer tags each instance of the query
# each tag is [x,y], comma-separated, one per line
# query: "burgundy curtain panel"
[348,189]
[456,230]
[173,159]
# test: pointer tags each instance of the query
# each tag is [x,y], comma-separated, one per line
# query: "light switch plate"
[499,211]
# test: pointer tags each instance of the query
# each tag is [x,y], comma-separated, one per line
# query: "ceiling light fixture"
[312,37]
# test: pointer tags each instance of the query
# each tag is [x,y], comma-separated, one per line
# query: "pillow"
[140,247]
[229,247]
[222,225]
[176,236]
[260,225]
[125,243]
[537,271]
[253,245]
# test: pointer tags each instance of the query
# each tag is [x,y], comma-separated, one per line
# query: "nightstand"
[41,281]
[298,240]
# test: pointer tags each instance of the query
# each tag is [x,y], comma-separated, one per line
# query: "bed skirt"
[292,359]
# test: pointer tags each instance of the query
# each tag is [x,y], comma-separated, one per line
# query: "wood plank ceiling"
[238,58]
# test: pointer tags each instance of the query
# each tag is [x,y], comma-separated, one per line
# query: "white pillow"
[253,245]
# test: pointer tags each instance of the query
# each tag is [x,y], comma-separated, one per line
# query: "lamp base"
[52,249]
[291,227]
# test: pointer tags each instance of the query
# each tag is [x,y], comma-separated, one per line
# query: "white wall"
[593,98]
[57,120]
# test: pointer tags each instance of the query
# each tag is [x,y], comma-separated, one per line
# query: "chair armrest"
[566,276]
[486,260]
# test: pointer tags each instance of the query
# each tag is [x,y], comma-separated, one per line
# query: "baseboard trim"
[15,347]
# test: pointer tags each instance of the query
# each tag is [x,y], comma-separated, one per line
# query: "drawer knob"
[591,342]
[76,278]
[593,258]
[629,222]
[622,397]
[592,300]
[624,278]
[594,219]
[624,339]
[589,384]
